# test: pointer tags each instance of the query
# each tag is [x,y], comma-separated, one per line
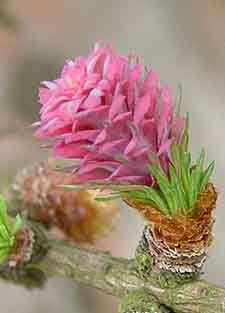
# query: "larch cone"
[75,212]
[179,244]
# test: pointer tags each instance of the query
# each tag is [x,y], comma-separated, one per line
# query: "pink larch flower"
[105,112]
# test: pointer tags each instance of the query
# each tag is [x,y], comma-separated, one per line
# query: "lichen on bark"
[118,277]
[141,301]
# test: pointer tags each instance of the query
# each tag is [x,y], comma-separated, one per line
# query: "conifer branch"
[115,276]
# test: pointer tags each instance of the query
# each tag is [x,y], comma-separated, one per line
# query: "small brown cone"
[179,244]
[75,212]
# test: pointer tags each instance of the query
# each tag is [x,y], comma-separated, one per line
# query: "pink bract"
[104,111]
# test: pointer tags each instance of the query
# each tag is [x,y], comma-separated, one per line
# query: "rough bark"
[119,277]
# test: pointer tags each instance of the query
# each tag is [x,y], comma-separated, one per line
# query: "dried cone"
[75,212]
[179,244]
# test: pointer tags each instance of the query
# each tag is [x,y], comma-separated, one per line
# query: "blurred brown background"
[183,40]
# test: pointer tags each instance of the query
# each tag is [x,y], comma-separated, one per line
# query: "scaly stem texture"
[118,277]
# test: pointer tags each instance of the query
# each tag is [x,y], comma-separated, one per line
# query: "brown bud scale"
[22,251]
[179,244]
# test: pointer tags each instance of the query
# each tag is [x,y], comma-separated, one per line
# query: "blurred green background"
[183,40]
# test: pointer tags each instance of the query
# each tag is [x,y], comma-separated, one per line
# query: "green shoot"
[8,230]
[178,190]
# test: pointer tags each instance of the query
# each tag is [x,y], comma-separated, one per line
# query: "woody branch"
[115,276]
